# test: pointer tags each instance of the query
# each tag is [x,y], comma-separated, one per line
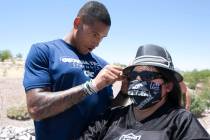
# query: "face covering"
[144,94]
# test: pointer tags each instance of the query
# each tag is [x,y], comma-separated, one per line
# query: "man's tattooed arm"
[43,104]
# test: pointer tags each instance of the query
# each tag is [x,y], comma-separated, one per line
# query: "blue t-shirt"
[59,66]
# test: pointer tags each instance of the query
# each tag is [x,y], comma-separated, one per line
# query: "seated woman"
[152,85]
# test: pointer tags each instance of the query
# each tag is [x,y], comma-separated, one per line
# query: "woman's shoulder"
[114,112]
[182,115]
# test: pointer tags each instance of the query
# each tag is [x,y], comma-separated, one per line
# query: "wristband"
[93,86]
[89,88]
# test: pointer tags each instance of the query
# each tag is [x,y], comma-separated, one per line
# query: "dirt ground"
[11,94]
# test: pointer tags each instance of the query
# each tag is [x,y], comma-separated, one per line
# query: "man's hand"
[107,76]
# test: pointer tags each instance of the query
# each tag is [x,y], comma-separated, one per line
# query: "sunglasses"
[144,75]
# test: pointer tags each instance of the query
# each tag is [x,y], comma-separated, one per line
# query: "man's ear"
[77,22]
[169,86]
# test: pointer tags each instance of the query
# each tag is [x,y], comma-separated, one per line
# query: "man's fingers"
[108,75]
[115,70]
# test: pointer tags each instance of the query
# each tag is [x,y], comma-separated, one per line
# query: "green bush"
[198,105]
[205,96]
[5,54]
[201,100]
[18,113]
[194,77]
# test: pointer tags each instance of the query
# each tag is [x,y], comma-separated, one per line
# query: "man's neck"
[69,38]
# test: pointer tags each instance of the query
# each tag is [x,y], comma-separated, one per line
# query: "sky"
[181,26]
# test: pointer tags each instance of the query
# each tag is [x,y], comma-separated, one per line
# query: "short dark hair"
[92,11]
[174,97]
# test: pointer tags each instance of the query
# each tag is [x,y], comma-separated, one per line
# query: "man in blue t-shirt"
[66,85]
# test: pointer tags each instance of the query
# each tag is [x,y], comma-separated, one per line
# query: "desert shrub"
[18,113]
[19,56]
[195,76]
[198,105]
[5,54]
[205,96]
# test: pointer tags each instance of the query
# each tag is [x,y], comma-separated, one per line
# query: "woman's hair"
[94,11]
[174,97]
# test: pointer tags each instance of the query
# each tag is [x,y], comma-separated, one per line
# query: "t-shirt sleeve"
[37,67]
[190,128]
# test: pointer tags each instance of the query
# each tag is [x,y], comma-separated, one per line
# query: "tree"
[5,54]
[19,56]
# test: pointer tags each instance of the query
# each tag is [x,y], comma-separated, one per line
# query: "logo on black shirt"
[130,136]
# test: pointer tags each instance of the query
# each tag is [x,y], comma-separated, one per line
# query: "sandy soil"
[11,94]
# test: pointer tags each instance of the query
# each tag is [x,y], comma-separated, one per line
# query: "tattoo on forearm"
[49,104]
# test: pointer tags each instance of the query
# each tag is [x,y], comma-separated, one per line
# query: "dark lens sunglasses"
[144,75]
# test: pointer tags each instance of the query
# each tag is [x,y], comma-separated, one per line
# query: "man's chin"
[85,52]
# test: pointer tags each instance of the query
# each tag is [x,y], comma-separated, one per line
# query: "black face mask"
[144,94]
